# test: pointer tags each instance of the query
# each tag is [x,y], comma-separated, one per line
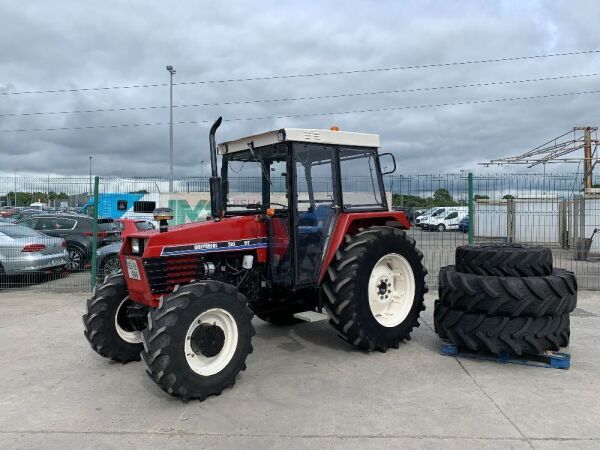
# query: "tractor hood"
[228,234]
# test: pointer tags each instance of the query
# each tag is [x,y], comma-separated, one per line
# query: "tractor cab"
[301,191]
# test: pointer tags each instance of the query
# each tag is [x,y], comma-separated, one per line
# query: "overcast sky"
[74,44]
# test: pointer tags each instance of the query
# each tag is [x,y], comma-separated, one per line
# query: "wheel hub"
[130,321]
[383,288]
[208,340]
[391,290]
[211,341]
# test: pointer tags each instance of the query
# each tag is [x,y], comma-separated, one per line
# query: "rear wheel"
[375,288]
[198,339]
[113,324]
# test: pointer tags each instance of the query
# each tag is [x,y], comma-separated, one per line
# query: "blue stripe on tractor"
[213,250]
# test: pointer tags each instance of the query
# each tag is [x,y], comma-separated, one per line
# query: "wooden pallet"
[548,359]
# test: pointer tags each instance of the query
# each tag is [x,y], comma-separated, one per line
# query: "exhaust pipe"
[216,202]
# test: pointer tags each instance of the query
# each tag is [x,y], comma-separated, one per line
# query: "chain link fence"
[51,247]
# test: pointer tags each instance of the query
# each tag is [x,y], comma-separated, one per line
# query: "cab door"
[315,208]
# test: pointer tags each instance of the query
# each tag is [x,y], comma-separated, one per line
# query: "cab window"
[362,187]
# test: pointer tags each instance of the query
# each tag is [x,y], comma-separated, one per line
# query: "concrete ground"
[303,388]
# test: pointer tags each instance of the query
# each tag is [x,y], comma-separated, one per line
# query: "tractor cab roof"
[328,137]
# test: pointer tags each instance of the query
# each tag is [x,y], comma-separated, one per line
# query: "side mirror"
[387,160]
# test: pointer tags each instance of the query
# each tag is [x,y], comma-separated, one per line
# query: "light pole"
[172,72]
[90,176]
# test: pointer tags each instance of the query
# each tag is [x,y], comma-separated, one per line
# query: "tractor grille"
[164,274]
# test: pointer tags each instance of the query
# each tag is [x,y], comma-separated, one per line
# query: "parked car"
[463,225]
[76,230]
[25,213]
[431,212]
[7,211]
[108,256]
[24,250]
[448,220]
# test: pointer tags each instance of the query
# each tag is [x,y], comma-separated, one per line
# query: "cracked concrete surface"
[304,387]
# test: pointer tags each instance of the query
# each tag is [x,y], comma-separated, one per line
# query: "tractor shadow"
[293,338]
[302,336]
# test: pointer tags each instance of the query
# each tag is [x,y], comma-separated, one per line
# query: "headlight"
[135,245]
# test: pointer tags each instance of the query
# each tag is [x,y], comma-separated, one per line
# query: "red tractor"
[316,234]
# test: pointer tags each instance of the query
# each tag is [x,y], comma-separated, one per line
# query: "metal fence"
[544,209]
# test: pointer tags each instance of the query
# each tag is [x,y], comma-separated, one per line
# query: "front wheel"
[441,227]
[113,324]
[198,339]
[375,288]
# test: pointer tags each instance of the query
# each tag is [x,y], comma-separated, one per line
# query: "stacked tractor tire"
[505,298]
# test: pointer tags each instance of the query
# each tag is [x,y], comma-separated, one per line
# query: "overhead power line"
[293,99]
[288,116]
[308,75]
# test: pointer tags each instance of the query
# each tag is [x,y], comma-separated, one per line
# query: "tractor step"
[310,316]
[548,359]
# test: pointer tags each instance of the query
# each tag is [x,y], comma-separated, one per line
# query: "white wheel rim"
[205,365]
[132,337]
[391,290]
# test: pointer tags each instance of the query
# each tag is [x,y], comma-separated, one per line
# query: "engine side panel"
[190,252]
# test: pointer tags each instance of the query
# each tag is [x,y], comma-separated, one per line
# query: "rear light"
[100,234]
[63,244]
[30,248]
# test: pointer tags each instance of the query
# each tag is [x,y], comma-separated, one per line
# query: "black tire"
[512,260]
[552,295]
[441,227]
[165,337]
[497,334]
[75,258]
[346,285]
[100,321]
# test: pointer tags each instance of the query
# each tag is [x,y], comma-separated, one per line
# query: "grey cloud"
[69,44]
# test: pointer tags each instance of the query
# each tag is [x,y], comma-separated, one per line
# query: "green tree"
[480,197]
[443,198]
[508,197]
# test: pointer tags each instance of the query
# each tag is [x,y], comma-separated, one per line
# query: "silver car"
[25,250]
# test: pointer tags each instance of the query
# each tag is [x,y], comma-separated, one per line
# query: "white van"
[39,206]
[431,212]
[449,220]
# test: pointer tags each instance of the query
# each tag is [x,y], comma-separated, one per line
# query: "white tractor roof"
[301,135]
